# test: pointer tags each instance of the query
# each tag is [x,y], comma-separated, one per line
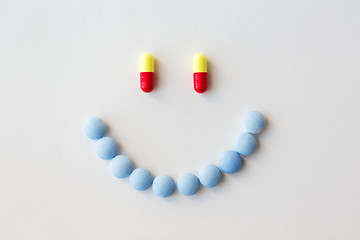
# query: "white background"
[296,61]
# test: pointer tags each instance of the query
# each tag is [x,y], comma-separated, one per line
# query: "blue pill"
[210,175]
[141,179]
[254,122]
[121,166]
[106,148]
[94,128]
[188,184]
[164,186]
[245,144]
[230,161]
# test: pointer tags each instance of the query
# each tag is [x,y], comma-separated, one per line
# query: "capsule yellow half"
[147,63]
[199,62]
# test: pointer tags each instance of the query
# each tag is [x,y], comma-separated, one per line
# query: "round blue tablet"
[164,186]
[230,161]
[254,122]
[245,144]
[106,148]
[121,166]
[210,175]
[94,128]
[188,184]
[141,179]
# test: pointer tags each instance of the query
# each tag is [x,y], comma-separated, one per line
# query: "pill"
[188,184]
[94,128]
[254,122]
[210,175]
[106,148]
[164,186]
[230,161]
[200,73]
[121,166]
[141,179]
[245,144]
[147,72]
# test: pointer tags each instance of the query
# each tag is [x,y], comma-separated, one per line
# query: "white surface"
[296,61]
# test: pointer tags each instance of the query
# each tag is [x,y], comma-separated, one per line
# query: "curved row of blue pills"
[188,184]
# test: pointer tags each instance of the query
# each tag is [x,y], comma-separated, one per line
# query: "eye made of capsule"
[200,73]
[147,72]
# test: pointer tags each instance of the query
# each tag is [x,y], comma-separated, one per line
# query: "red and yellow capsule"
[200,73]
[147,72]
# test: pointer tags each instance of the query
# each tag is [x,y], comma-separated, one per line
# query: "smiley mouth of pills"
[188,184]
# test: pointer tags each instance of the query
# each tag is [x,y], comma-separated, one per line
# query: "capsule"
[200,73]
[147,72]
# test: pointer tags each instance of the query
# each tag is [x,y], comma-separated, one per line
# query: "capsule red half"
[147,81]
[200,73]
[147,72]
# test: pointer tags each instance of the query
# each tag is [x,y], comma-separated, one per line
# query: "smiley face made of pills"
[187,183]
